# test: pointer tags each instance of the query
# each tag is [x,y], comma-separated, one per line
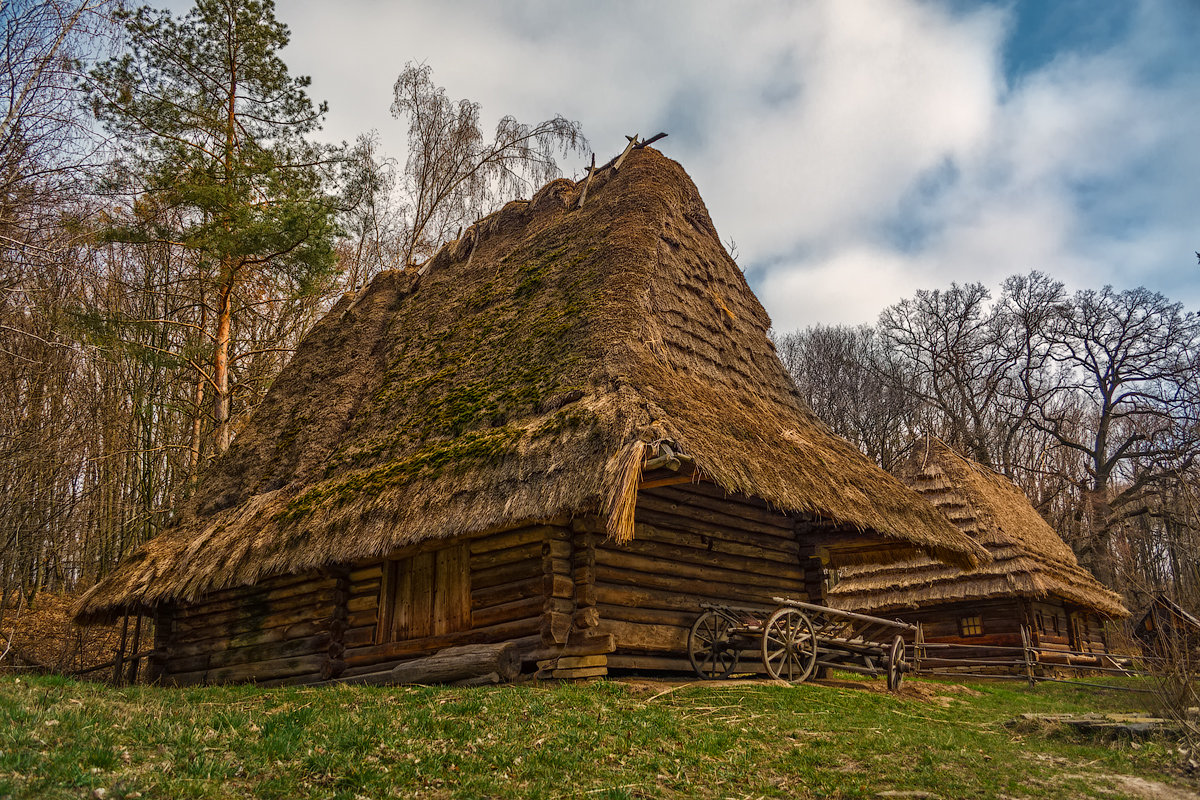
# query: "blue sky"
[855,150]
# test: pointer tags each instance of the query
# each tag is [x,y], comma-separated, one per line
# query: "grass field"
[64,739]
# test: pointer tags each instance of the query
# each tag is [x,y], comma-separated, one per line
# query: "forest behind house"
[171,225]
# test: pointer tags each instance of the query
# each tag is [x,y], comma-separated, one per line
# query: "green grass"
[61,738]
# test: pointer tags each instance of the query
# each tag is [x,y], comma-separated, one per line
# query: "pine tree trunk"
[221,402]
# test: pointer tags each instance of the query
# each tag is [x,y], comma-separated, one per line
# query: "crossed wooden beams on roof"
[633,144]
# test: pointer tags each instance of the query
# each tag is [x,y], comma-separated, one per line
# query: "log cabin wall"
[283,630]
[514,585]
[691,544]
[999,624]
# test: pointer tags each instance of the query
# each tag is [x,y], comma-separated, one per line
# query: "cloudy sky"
[855,150]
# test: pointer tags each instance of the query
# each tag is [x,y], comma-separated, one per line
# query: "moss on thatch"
[509,379]
[1028,558]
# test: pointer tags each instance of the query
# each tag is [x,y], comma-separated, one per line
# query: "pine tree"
[213,132]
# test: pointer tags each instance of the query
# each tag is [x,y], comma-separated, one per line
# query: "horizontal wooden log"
[281,619]
[718,544]
[554,548]
[507,612]
[365,588]
[655,663]
[375,654]
[448,666]
[677,522]
[362,603]
[307,679]
[254,671]
[359,636]
[262,585]
[669,568]
[652,616]
[251,611]
[509,539]
[645,637]
[369,572]
[505,573]
[507,592]
[692,591]
[524,644]
[651,547]
[299,630]
[271,651]
[713,497]
[286,597]
[357,619]
[653,500]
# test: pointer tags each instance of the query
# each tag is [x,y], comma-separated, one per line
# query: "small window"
[971,626]
[1054,623]
[1040,622]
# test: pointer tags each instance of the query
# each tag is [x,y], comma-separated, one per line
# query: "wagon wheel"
[710,650]
[896,664]
[789,645]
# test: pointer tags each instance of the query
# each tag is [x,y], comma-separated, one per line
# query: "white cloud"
[855,151]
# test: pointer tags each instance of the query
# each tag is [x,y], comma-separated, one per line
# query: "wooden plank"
[245,655]
[420,621]
[577,674]
[576,662]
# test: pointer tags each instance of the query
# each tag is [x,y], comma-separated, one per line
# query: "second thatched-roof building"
[1032,579]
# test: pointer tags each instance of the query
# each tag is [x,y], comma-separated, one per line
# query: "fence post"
[1027,649]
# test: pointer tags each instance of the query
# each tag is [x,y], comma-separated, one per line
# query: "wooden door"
[426,594]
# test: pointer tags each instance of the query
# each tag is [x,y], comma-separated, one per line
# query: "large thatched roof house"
[1032,579]
[564,430]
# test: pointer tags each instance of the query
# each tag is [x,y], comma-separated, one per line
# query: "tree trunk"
[450,665]
[221,402]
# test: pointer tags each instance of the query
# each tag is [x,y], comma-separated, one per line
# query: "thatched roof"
[1028,558]
[515,376]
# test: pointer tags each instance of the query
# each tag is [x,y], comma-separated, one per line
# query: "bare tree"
[1128,359]
[453,174]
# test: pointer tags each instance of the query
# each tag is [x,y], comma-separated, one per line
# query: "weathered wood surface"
[449,666]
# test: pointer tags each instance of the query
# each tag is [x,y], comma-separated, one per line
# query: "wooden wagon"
[795,639]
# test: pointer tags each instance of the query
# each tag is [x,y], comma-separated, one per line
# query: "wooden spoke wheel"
[789,645]
[710,647]
[897,666]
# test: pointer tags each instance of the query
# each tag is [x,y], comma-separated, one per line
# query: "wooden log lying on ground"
[450,666]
